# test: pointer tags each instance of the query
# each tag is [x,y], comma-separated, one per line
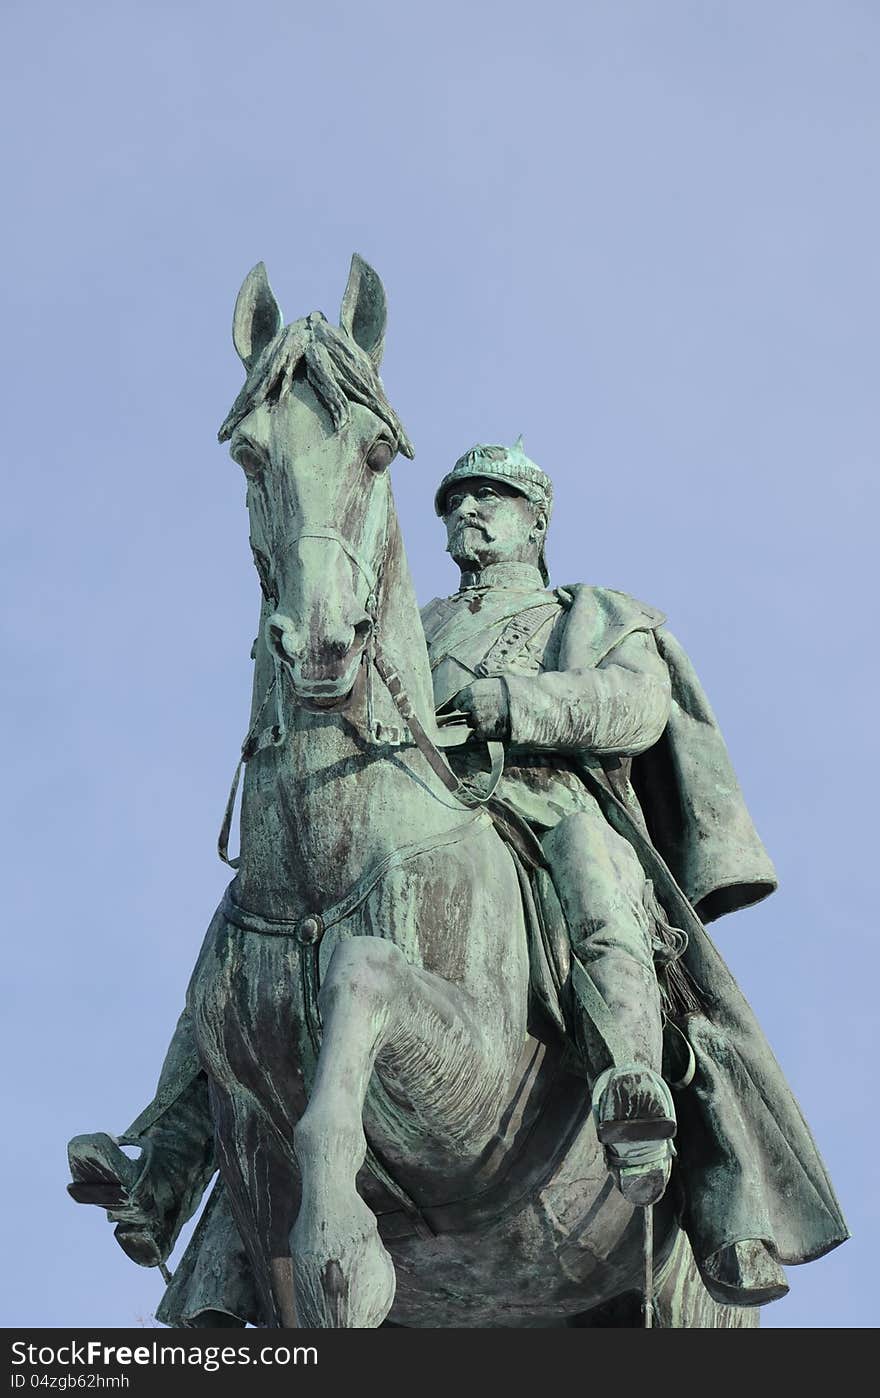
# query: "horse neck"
[335,799]
[399,632]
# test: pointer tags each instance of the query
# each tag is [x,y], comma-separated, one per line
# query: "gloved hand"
[485,705]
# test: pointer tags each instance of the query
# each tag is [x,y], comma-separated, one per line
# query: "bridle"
[377,662]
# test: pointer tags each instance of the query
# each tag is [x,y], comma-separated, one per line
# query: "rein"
[428,749]
[254,742]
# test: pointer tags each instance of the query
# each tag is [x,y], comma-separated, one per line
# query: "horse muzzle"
[323,675]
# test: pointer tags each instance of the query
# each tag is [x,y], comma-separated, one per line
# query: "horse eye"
[249,462]
[380,455]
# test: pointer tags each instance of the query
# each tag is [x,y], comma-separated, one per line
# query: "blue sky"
[642,235]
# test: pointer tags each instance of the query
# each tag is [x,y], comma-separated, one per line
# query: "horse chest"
[319,815]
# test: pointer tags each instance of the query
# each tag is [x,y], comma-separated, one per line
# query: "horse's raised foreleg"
[426,1036]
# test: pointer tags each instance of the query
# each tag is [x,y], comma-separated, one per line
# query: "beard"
[467,543]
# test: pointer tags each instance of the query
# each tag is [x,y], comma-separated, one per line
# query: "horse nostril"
[363,629]
[282,639]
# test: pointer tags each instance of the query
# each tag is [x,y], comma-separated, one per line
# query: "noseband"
[371,573]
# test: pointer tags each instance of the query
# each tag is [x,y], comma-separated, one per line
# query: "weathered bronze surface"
[459,1001]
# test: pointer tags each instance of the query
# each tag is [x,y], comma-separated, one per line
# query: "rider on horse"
[618,787]
[501,652]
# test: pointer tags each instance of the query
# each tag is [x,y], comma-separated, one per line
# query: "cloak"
[748,1164]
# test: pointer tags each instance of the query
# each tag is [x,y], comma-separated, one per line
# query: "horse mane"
[336,368]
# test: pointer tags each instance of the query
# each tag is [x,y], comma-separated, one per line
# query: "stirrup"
[635,1122]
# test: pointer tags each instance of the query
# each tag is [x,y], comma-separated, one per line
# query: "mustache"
[470,524]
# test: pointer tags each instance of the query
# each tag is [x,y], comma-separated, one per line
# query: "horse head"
[315,434]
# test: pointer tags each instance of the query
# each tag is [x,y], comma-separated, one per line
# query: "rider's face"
[487,521]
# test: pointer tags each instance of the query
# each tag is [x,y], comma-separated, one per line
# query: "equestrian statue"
[458,1047]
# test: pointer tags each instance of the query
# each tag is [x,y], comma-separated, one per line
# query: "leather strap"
[250,921]
[254,742]
[319,532]
[428,749]
[519,632]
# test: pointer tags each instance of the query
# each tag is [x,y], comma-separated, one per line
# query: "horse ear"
[364,309]
[257,317]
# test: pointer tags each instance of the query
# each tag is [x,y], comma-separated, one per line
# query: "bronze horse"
[394,1140]
[401,1138]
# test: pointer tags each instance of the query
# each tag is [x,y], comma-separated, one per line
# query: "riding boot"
[150,1199]
[616,999]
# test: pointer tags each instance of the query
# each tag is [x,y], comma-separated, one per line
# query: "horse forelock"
[337,369]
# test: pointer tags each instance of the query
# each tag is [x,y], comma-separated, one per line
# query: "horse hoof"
[345,1282]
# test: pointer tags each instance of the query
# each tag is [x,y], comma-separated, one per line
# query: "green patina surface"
[451,1014]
